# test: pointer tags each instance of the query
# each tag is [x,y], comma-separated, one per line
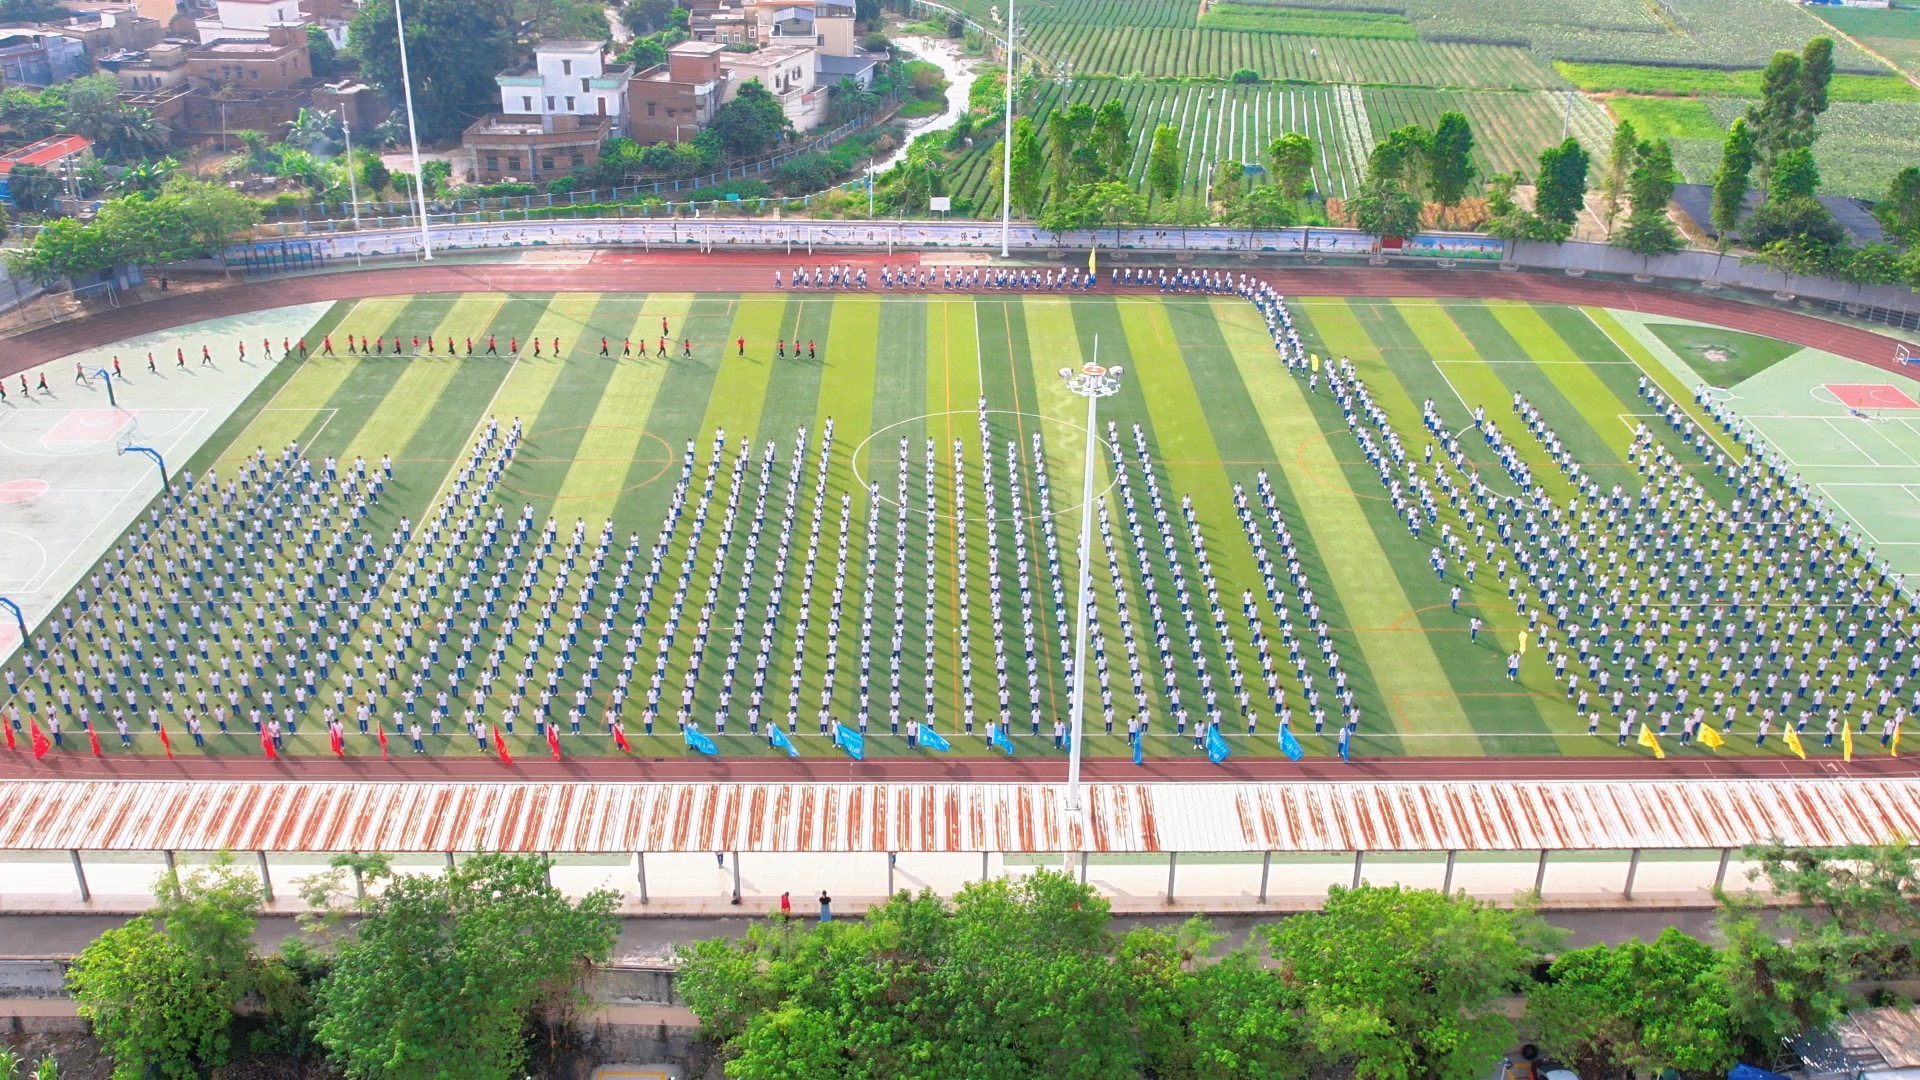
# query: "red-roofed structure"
[49,153]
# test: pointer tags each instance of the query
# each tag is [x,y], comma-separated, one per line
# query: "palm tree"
[312,130]
[149,175]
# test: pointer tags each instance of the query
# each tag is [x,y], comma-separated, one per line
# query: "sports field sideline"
[605,438]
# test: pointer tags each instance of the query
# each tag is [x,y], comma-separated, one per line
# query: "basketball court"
[1854,433]
[75,468]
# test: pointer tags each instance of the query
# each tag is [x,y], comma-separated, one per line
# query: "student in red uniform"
[326,345]
[742,344]
[686,348]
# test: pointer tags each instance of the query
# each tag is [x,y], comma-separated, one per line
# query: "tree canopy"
[454,50]
[751,123]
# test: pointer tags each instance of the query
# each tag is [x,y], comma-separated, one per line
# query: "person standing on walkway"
[826,907]
[786,905]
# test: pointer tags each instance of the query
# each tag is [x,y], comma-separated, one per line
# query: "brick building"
[671,102]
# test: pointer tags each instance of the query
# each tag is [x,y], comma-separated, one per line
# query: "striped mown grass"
[604,438]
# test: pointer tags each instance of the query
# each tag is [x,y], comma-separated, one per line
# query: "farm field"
[901,379]
[1509,39]
[1705,82]
[1860,148]
[1221,123]
[1893,33]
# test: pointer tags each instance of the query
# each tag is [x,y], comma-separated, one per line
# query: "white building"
[567,79]
[248,18]
[787,71]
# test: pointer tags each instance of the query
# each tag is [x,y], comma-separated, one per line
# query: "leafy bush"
[1246,75]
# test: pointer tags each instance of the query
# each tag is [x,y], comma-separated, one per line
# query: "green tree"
[1112,140]
[1264,207]
[1074,158]
[1245,76]
[1816,72]
[1730,183]
[160,990]
[1560,192]
[1795,176]
[646,16]
[1386,209]
[1774,119]
[326,59]
[1402,156]
[211,216]
[1650,187]
[1451,171]
[374,175]
[752,122]
[440,974]
[454,50]
[1899,211]
[1028,167]
[1406,984]
[1291,158]
[1641,1007]
[32,187]
[1620,163]
[1163,162]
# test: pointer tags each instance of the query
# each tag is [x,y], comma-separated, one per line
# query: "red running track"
[685,271]
[405,767]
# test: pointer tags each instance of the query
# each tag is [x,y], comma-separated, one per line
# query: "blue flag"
[854,743]
[698,740]
[1289,745]
[1217,748]
[1346,739]
[1137,740]
[933,740]
[999,740]
[780,740]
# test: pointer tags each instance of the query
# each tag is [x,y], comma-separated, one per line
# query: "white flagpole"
[1006,161]
[413,136]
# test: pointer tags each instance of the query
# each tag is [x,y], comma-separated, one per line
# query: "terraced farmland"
[1160,52]
[1235,123]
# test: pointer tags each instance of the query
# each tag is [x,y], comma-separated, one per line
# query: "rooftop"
[766,56]
[44,152]
[561,45]
[697,48]
[279,816]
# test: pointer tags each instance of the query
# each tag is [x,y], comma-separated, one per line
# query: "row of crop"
[1166,13]
[1233,125]
[1218,125]
[1726,32]
[1133,51]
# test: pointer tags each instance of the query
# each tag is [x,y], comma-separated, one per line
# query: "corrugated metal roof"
[605,818]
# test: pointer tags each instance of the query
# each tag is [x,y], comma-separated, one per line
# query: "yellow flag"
[1710,736]
[1092,254]
[1894,747]
[1523,643]
[1846,743]
[1792,739]
[1652,742]
[1315,358]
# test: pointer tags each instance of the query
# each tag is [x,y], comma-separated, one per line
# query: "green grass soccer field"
[604,439]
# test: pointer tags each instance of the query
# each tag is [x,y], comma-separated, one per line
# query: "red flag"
[382,732]
[500,745]
[334,740]
[94,740]
[166,743]
[41,744]
[266,743]
[553,740]
[620,739]
[9,730]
